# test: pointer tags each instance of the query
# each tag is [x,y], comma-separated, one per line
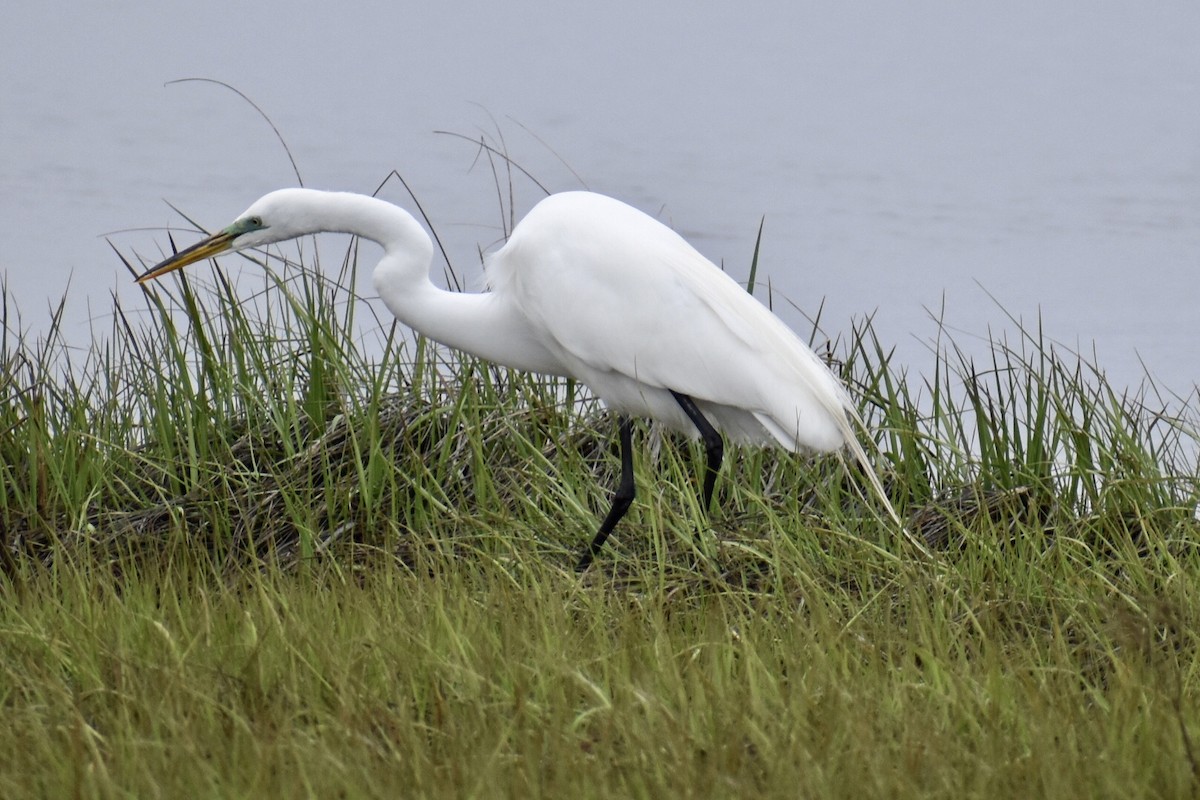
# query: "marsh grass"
[247,554]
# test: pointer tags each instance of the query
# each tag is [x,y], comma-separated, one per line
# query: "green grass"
[246,554]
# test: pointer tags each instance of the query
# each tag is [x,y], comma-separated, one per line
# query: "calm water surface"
[905,157]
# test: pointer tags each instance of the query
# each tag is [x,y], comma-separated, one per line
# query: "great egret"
[591,288]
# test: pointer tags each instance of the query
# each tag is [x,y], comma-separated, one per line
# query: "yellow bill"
[206,248]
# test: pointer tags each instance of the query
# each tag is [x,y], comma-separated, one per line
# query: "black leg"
[622,497]
[713,446]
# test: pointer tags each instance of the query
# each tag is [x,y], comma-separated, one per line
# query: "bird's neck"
[371,218]
[484,325]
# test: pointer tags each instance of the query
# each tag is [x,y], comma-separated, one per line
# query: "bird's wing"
[617,291]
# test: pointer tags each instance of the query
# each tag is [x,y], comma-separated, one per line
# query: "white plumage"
[632,310]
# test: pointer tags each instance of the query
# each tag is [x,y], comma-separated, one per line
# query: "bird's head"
[274,217]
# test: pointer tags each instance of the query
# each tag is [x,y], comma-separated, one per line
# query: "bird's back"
[635,312]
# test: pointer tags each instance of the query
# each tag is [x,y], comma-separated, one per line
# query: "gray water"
[905,156]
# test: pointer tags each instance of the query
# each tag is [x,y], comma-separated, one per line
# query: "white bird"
[590,288]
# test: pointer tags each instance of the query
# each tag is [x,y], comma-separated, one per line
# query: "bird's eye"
[255,222]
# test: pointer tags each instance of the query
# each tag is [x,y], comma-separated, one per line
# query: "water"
[905,156]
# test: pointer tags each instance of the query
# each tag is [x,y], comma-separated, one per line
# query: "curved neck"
[487,325]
